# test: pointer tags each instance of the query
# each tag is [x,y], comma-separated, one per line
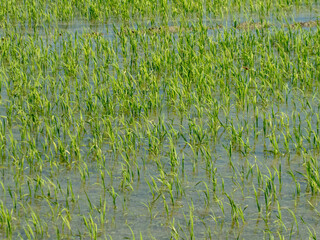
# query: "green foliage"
[158,119]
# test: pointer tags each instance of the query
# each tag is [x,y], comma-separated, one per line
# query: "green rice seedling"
[279,216]
[90,204]
[174,232]
[312,174]
[220,203]
[133,237]
[268,196]
[257,199]
[169,185]
[180,190]
[312,233]
[297,184]
[103,180]
[84,172]
[6,220]
[4,191]
[14,198]
[91,227]
[173,155]
[151,188]
[65,220]
[236,211]
[206,193]
[314,208]
[278,172]
[295,221]
[214,182]
[229,150]
[259,176]
[103,214]
[29,232]
[149,206]
[114,196]
[126,180]
[165,205]
[37,224]
[274,143]
[182,165]
[190,222]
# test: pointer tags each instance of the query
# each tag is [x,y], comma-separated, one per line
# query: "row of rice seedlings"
[36,13]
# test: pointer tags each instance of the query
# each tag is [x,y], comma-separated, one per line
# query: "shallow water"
[53,202]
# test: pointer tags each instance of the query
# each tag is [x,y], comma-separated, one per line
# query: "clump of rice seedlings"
[312,174]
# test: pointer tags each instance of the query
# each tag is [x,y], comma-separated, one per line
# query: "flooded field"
[159,119]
